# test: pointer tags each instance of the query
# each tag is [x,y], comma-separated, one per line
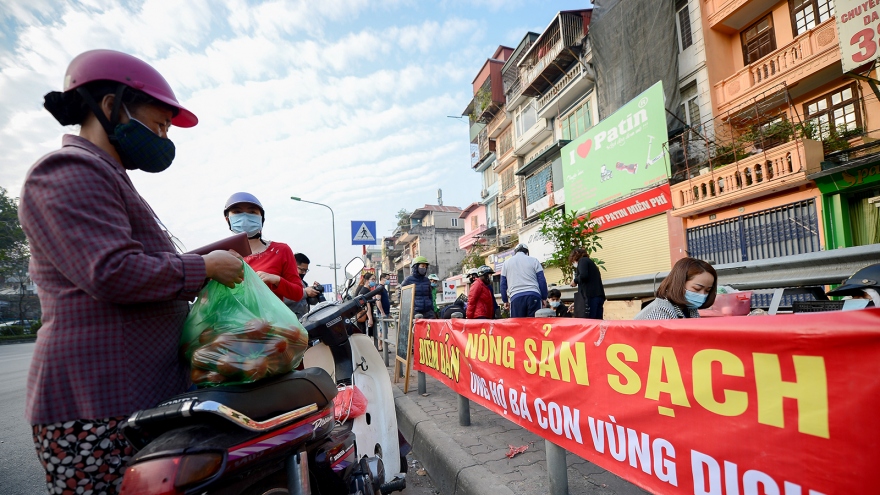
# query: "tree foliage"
[14,254]
[567,231]
[12,238]
[474,258]
[403,218]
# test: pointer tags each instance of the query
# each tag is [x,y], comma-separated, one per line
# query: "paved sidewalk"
[471,460]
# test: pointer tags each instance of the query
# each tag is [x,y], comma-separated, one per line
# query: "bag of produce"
[241,335]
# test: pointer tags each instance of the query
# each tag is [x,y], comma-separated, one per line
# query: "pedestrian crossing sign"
[363,233]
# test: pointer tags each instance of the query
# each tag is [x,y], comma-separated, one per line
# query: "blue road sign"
[363,233]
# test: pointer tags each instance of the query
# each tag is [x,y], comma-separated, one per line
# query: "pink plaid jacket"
[112,289]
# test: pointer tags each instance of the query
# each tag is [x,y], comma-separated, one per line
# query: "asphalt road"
[21,473]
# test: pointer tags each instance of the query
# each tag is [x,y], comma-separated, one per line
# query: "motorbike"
[278,435]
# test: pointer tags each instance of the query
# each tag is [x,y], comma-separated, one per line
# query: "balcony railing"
[514,90]
[505,141]
[485,145]
[471,237]
[497,121]
[557,88]
[782,167]
[804,56]
[551,54]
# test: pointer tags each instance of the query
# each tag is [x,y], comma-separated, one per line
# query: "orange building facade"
[741,182]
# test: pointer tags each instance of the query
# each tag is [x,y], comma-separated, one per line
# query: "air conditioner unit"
[484,193]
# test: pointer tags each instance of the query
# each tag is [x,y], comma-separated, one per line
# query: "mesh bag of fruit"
[241,335]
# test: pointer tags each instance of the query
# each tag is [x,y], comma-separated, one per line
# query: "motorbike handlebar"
[374,292]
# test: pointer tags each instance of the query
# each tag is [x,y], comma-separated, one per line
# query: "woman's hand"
[226,267]
[269,279]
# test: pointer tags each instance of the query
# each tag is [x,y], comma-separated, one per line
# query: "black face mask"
[140,148]
[421,271]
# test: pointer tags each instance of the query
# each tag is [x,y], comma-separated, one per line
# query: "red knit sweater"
[278,259]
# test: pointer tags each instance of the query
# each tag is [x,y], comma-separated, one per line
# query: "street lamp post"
[332,219]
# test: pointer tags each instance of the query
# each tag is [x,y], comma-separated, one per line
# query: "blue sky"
[343,102]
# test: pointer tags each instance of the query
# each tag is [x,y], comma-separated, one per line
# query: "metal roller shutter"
[635,249]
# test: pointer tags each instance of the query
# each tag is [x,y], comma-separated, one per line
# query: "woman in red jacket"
[273,261]
[481,302]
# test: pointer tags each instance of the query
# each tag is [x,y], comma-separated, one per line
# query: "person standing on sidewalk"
[301,307]
[481,302]
[435,283]
[422,303]
[384,298]
[523,287]
[588,280]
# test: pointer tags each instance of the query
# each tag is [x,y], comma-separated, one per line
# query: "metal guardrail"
[820,268]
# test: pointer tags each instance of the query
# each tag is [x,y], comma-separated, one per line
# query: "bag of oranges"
[241,335]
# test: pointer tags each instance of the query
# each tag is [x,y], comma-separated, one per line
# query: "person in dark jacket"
[310,294]
[385,299]
[481,302]
[588,280]
[554,297]
[422,303]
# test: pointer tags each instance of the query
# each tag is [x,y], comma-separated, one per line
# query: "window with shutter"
[759,40]
[807,14]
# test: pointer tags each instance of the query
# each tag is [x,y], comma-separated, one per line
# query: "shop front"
[850,186]
[635,241]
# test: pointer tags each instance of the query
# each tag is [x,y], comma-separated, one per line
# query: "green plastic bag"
[241,335]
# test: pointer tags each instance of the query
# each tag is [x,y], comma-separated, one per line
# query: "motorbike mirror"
[354,267]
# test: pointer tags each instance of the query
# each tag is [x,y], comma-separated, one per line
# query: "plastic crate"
[815,306]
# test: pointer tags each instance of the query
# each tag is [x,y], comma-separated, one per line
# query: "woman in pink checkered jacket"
[112,287]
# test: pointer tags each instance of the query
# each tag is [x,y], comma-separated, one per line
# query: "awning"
[544,157]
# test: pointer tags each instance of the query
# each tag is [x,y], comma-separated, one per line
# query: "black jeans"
[595,307]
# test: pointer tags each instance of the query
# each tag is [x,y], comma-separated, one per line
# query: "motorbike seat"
[270,397]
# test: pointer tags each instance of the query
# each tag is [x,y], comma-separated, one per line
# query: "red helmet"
[109,65]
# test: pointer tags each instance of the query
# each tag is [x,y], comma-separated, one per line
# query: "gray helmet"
[521,248]
[243,197]
[471,274]
[866,278]
[485,270]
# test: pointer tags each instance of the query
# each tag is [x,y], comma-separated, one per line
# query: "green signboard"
[854,177]
[620,156]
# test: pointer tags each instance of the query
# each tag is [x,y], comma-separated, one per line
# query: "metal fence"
[781,231]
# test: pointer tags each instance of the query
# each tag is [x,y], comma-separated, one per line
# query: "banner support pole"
[464,411]
[556,468]
[423,387]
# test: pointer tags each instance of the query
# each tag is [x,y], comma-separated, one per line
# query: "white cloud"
[294,98]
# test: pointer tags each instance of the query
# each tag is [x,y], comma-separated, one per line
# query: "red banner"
[782,405]
[642,205]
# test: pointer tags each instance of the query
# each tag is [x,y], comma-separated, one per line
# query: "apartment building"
[434,233]
[781,103]
[487,114]
[556,86]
